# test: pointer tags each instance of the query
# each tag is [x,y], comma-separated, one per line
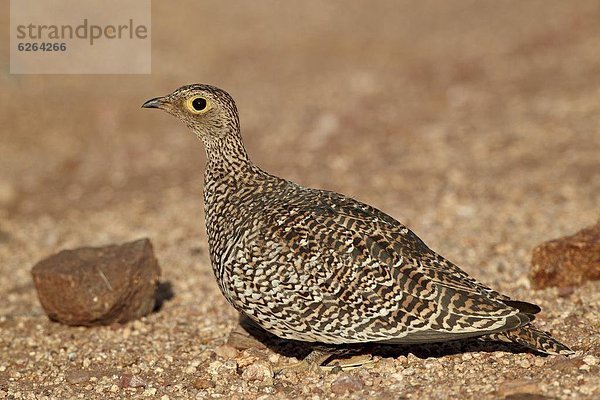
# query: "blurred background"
[476,123]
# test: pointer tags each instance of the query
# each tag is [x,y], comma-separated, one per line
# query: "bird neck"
[227,152]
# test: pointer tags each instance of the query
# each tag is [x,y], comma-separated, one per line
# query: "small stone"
[131,381]
[72,356]
[190,369]
[149,392]
[226,351]
[519,387]
[590,360]
[539,362]
[568,261]
[346,383]
[567,364]
[524,364]
[98,285]
[213,367]
[77,376]
[566,291]
[250,356]
[203,383]
[258,371]
[527,396]
[273,358]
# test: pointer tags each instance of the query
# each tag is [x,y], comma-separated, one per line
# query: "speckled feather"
[318,266]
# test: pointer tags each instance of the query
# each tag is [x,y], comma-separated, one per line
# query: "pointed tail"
[532,338]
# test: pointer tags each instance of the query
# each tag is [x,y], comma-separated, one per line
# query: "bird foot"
[348,364]
[313,363]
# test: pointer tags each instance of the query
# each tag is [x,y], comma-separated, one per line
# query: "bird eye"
[197,104]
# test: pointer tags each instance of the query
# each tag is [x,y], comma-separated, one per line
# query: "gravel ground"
[475,123]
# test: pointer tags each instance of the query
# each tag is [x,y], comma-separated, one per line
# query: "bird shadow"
[299,349]
[162,294]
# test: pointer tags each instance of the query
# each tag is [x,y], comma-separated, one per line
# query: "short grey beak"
[157,102]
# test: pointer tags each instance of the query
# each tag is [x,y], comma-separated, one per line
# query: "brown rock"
[203,383]
[527,396]
[131,381]
[259,371]
[77,376]
[566,291]
[250,356]
[98,285]
[346,383]
[568,261]
[226,351]
[519,387]
[567,365]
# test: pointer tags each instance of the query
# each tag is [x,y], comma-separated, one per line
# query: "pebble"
[77,376]
[250,356]
[539,362]
[258,371]
[131,381]
[567,262]
[519,387]
[226,351]
[190,369]
[565,291]
[98,285]
[567,364]
[590,360]
[346,383]
[524,364]
[214,367]
[203,383]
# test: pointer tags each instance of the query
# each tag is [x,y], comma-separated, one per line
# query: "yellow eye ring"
[198,104]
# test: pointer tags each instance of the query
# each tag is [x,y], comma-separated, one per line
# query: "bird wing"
[347,272]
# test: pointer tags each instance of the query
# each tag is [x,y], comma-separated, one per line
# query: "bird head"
[207,110]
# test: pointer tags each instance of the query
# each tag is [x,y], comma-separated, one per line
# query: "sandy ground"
[475,123]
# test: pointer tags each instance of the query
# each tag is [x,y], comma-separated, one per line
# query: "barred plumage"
[317,266]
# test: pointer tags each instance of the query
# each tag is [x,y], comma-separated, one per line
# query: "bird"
[320,267]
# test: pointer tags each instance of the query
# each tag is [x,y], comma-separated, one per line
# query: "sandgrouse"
[317,266]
